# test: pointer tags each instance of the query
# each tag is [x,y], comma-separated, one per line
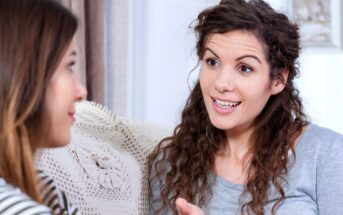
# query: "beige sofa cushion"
[104,168]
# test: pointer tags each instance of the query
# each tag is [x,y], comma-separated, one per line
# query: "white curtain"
[116,43]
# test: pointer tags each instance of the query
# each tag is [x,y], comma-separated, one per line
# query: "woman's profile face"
[234,79]
[63,90]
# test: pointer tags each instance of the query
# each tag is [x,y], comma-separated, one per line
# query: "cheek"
[204,84]
[258,100]
[50,96]
[205,79]
[58,98]
[64,89]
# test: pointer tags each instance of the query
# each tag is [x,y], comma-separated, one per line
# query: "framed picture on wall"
[320,22]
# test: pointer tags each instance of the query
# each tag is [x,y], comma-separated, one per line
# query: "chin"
[221,124]
[59,143]
[221,127]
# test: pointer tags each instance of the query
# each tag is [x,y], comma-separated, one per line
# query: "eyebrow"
[249,56]
[73,53]
[237,59]
[210,50]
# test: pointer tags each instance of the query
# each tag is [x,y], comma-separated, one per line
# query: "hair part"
[34,35]
[182,163]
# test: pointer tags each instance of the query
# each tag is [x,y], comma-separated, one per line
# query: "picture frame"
[320,22]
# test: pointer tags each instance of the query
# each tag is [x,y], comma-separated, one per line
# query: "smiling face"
[235,81]
[63,90]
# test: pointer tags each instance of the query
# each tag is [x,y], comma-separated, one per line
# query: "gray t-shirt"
[314,185]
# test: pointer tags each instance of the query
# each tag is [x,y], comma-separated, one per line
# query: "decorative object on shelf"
[320,22]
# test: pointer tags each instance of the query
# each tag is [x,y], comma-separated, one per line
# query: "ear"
[279,84]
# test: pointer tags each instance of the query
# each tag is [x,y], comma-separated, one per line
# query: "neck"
[232,162]
[238,143]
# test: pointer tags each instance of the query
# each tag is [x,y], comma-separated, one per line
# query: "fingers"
[186,208]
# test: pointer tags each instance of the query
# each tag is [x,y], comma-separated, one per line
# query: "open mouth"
[226,104]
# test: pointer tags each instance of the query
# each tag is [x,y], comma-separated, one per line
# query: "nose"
[224,81]
[81,91]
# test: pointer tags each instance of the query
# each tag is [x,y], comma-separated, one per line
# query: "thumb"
[186,208]
[183,206]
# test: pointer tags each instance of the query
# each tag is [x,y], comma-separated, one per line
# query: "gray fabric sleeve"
[155,194]
[330,178]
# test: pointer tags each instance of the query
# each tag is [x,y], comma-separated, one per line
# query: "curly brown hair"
[181,164]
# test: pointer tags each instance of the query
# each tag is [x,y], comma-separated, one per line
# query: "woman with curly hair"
[244,145]
[38,91]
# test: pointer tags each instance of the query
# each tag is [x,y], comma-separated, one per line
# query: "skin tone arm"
[186,208]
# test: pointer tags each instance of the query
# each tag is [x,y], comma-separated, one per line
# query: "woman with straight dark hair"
[244,145]
[38,90]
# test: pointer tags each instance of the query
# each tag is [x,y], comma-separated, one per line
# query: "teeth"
[225,103]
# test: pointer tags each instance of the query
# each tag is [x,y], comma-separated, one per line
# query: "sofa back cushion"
[104,168]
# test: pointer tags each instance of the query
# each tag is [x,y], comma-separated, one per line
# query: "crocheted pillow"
[104,168]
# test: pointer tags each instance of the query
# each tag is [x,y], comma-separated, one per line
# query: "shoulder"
[321,144]
[13,201]
[314,131]
[53,197]
[321,138]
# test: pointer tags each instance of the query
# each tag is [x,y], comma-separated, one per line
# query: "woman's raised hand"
[186,208]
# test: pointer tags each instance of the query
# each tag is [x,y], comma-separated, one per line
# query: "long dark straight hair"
[34,35]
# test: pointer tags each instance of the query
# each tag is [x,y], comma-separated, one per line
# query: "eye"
[71,66]
[211,62]
[245,69]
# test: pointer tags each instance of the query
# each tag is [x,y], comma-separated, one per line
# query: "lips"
[72,115]
[225,106]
